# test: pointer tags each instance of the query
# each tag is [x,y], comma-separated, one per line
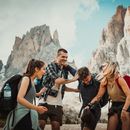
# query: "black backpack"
[7,104]
[105,98]
[103,101]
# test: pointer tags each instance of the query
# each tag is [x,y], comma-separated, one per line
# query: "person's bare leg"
[126,122]
[112,122]
[42,124]
[85,128]
[55,125]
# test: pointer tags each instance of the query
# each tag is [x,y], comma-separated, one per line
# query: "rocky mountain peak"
[123,49]
[120,11]
[1,65]
[114,44]
[56,37]
[112,33]
[17,42]
[127,23]
[36,43]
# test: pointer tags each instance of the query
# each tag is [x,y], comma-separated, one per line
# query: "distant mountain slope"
[38,43]
[115,42]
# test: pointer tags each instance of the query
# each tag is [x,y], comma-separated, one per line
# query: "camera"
[53,93]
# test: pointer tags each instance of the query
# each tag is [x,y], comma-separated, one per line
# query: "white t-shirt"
[53,100]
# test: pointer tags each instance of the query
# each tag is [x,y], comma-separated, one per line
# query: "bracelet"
[89,104]
[124,109]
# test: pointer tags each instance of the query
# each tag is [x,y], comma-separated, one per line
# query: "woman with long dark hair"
[25,115]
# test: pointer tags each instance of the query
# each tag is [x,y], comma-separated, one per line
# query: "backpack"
[8,103]
[105,98]
[103,101]
[126,78]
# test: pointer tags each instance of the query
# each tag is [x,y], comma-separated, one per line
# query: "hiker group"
[48,83]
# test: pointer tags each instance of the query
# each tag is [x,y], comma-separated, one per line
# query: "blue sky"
[78,22]
[89,30]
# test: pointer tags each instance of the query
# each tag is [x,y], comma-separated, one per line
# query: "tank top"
[115,93]
[31,94]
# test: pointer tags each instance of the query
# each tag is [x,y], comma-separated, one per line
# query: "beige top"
[115,92]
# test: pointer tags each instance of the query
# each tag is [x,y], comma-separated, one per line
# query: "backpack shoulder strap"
[118,82]
[127,79]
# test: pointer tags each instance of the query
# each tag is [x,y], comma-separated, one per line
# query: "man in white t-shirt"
[54,82]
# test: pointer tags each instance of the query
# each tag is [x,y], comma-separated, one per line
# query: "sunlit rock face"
[1,65]
[123,49]
[1,69]
[38,44]
[109,45]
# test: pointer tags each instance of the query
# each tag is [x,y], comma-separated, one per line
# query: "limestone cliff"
[114,43]
[1,65]
[123,49]
[1,69]
[37,43]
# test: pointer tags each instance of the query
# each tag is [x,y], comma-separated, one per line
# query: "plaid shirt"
[51,75]
[54,71]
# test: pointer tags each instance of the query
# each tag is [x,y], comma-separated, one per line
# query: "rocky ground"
[100,126]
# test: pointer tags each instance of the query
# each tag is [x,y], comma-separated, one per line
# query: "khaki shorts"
[54,113]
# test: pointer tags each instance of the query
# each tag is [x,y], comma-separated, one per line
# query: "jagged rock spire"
[112,46]
[37,43]
[123,49]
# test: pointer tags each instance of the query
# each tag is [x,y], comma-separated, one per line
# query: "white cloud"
[17,17]
[87,7]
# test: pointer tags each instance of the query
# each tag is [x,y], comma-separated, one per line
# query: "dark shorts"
[116,108]
[90,118]
[54,113]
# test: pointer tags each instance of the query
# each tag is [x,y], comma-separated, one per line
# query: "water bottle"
[7,92]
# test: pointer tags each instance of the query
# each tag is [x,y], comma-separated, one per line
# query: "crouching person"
[54,83]
[88,87]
